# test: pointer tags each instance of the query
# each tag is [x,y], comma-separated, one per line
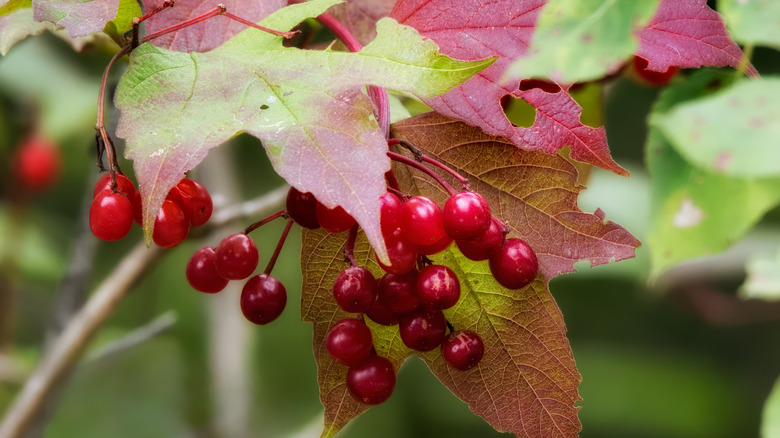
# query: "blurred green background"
[683,357]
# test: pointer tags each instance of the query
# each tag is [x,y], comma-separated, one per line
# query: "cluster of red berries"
[114,209]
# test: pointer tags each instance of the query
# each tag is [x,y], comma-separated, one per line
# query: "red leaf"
[79,17]
[209,34]
[476,29]
[687,34]
[360,16]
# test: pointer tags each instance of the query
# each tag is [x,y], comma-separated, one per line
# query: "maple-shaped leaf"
[360,16]
[307,107]
[474,29]
[687,34]
[79,17]
[208,34]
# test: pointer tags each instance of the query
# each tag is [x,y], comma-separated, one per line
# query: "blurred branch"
[58,363]
[153,328]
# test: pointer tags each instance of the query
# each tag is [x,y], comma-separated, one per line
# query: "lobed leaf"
[733,133]
[123,23]
[79,17]
[306,106]
[753,21]
[361,16]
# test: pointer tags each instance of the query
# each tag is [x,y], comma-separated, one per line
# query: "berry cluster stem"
[270,266]
[419,166]
[349,247]
[137,21]
[264,221]
[419,156]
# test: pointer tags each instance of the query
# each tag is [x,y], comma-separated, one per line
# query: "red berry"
[392,209]
[381,313]
[302,208]
[171,226]
[421,221]
[355,289]
[653,77]
[110,216]
[194,200]
[466,215]
[123,185]
[201,273]
[263,299]
[402,254]
[463,350]
[334,220]
[438,287]
[400,292]
[236,257]
[482,247]
[138,208]
[435,247]
[37,164]
[514,265]
[423,330]
[371,381]
[349,341]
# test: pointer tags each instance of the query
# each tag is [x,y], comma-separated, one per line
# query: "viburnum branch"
[377,94]
[419,166]
[419,156]
[270,266]
[264,221]
[349,247]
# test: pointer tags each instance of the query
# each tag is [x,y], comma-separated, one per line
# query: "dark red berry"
[392,209]
[371,381]
[402,254]
[423,330]
[302,208]
[236,257]
[349,341]
[463,349]
[138,208]
[263,299]
[201,273]
[37,164]
[400,292]
[355,289]
[438,287]
[334,220]
[194,200]
[514,265]
[435,247]
[123,185]
[171,226]
[653,77]
[110,216]
[421,221]
[466,215]
[381,313]
[482,247]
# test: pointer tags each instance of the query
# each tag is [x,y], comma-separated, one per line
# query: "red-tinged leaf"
[475,29]
[79,17]
[533,192]
[687,34]
[208,34]
[360,16]
[525,384]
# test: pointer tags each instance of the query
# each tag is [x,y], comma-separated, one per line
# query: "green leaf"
[696,212]
[582,40]
[79,17]
[770,424]
[13,5]
[306,106]
[116,28]
[763,278]
[733,132]
[753,21]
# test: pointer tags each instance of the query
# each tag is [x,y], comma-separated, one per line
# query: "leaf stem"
[264,221]
[286,35]
[420,156]
[102,139]
[270,266]
[219,9]
[419,166]
[138,21]
[378,94]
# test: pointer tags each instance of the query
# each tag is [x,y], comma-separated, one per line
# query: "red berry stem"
[349,248]
[396,192]
[270,266]
[218,10]
[419,166]
[392,183]
[264,221]
[419,156]
[378,94]
[102,139]
[449,325]
[286,35]
[138,21]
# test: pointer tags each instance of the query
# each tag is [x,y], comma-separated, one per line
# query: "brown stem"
[349,248]
[264,221]
[419,156]
[270,266]
[412,163]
